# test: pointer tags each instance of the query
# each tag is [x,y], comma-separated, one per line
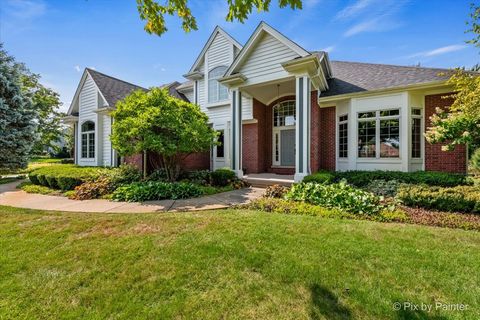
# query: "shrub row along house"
[281,109]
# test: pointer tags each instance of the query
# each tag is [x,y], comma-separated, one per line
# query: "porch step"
[260,182]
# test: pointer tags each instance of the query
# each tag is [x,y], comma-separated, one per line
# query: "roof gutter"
[424,85]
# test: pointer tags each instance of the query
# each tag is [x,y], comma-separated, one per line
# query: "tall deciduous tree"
[156,122]
[17,125]
[154,11]
[47,103]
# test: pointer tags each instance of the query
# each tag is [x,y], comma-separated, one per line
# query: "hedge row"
[63,176]
[456,199]
[156,190]
[363,178]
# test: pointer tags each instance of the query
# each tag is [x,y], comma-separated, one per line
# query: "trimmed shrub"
[456,199]
[156,190]
[384,188]
[275,191]
[202,177]
[63,176]
[222,177]
[124,174]
[158,175]
[320,177]
[339,195]
[441,179]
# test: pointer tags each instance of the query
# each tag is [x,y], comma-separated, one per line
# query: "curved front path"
[10,196]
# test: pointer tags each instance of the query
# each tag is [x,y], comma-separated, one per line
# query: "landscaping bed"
[431,198]
[125,183]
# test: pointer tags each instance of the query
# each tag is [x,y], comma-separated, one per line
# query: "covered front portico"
[278,139]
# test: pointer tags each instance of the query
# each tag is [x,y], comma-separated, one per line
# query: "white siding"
[189,94]
[107,145]
[220,52]
[247,108]
[88,102]
[264,62]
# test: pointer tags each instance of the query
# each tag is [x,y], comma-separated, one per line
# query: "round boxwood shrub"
[222,177]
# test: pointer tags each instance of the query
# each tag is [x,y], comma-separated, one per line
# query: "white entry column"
[302,132]
[236,136]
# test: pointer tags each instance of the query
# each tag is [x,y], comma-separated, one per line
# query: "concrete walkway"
[10,196]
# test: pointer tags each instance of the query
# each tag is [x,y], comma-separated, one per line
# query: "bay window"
[379,134]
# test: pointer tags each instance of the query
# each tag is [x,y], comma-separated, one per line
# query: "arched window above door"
[216,91]
[284,114]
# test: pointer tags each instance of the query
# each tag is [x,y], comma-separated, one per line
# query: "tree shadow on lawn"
[325,305]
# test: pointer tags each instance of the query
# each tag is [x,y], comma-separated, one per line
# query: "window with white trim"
[221,145]
[284,114]
[416,114]
[379,134]
[216,91]
[343,136]
[88,139]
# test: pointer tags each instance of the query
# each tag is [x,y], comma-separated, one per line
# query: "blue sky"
[58,38]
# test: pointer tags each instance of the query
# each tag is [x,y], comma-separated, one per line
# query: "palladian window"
[216,91]
[88,139]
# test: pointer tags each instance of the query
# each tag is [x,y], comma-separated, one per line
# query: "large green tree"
[47,103]
[17,115]
[156,122]
[154,11]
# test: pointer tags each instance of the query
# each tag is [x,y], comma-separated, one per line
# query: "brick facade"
[196,161]
[435,158]
[253,141]
[327,139]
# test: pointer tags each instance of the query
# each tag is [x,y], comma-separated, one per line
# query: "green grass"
[29,187]
[231,264]
[45,160]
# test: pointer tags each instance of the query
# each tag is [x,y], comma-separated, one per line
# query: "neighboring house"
[282,109]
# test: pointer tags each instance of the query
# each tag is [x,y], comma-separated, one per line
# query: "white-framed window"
[343,136]
[88,139]
[216,91]
[416,114]
[284,118]
[379,134]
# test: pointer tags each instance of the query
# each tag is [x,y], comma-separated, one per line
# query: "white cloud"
[439,51]
[354,9]
[93,68]
[25,9]
[77,68]
[328,49]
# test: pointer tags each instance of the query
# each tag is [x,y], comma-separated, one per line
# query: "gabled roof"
[172,90]
[112,89]
[209,42]
[354,77]
[252,41]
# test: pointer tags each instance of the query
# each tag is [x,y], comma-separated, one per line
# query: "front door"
[287,149]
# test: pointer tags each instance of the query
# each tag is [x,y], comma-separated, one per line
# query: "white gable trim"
[79,88]
[252,41]
[208,44]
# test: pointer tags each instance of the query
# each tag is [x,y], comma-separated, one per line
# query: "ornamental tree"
[156,122]
[17,115]
[460,124]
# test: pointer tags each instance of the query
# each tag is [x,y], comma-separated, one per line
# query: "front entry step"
[263,180]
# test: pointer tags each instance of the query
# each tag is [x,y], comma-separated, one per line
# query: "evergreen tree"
[17,125]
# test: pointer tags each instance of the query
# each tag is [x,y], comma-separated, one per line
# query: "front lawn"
[230,264]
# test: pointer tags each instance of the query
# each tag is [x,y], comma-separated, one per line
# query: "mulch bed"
[442,219]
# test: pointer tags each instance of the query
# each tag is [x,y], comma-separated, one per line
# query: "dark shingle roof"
[351,77]
[172,89]
[112,89]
